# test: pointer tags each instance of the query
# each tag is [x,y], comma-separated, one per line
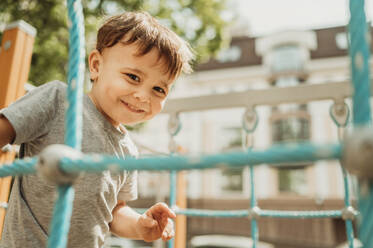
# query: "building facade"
[283,60]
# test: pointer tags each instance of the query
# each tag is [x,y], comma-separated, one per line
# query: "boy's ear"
[94,61]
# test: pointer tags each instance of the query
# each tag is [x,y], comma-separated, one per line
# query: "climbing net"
[65,163]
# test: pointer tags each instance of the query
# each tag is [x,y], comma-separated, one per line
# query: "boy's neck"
[115,124]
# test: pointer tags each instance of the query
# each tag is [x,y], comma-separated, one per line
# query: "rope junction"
[275,155]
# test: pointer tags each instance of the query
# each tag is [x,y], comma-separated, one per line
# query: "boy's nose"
[142,97]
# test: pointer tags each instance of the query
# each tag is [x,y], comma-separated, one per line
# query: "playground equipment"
[15,59]
[75,162]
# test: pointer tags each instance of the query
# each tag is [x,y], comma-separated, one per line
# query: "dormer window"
[287,58]
[341,41]
[231,54]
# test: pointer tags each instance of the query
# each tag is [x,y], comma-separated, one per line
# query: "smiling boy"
[132,69]
[128,89]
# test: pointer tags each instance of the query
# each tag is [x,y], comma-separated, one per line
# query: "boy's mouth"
[132,108]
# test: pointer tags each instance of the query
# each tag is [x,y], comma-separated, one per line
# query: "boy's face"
[128,88]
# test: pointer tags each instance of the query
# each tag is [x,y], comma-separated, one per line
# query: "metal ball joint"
[349,213]
[340,113]
[250,120]
[48,164]
[254,213]
[358,153]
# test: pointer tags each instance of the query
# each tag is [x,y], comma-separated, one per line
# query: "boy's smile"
[128,88]
[133,108]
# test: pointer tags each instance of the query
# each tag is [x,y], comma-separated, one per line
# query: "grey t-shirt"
[38,119]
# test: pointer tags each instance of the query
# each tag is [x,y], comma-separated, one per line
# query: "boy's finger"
[163,208]
[164,220]
[171,234]
[168,234]
[168,225]
[148,221]
[164,235]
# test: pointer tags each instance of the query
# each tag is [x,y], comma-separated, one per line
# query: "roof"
[327,47]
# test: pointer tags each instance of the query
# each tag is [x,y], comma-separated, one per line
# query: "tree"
[200,22]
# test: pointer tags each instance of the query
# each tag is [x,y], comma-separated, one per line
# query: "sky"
[268,16]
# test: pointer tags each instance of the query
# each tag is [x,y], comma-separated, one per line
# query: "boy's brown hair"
[148,33]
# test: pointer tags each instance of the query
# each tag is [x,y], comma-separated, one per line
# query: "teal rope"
[61,217]
[173,174]
[262,213]
[73,121]
[348,223]
[244,213]
[171,242]
[173,131]
[18,167]
[250,121]
[359,54]
[344,124]
[212,213]
[366,226]
[275,156]
[346,187]
[301,214]
[349,227]
[254,225]
[73,117]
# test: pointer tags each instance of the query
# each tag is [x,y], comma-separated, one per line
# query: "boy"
[135,62]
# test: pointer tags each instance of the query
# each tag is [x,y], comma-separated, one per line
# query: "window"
[290,123]
[231,54]
[231,178]
[290,129]
[292,180]
[341,41]
[287,58]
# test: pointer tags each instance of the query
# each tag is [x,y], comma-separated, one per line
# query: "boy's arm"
[7,133]
[150,226]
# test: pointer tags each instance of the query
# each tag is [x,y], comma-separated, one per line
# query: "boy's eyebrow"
[166,85]
[136,70]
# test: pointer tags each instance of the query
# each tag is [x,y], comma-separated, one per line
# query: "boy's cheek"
[163,103]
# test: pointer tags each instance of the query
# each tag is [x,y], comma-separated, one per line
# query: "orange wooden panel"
[25,66]
[5,185]
[15,59]
[181,202]
[12,45]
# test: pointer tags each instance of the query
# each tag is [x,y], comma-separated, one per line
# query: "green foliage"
[200,22]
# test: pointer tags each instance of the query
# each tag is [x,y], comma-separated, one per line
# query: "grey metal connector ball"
[358,153]
[48,164]
[254,213]
[349,213]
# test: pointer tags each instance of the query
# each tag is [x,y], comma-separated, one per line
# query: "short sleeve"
[30,116]
[128,192]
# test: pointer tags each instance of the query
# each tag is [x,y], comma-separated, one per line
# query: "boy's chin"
[132,123]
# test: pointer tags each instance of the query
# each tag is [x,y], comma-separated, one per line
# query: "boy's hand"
[155,223]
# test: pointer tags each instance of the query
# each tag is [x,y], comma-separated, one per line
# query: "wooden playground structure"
[15,60]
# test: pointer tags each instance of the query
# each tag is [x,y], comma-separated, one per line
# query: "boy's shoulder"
[52,90]
[56,84]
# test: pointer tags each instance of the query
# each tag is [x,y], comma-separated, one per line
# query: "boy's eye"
[133,77]
[160,90]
